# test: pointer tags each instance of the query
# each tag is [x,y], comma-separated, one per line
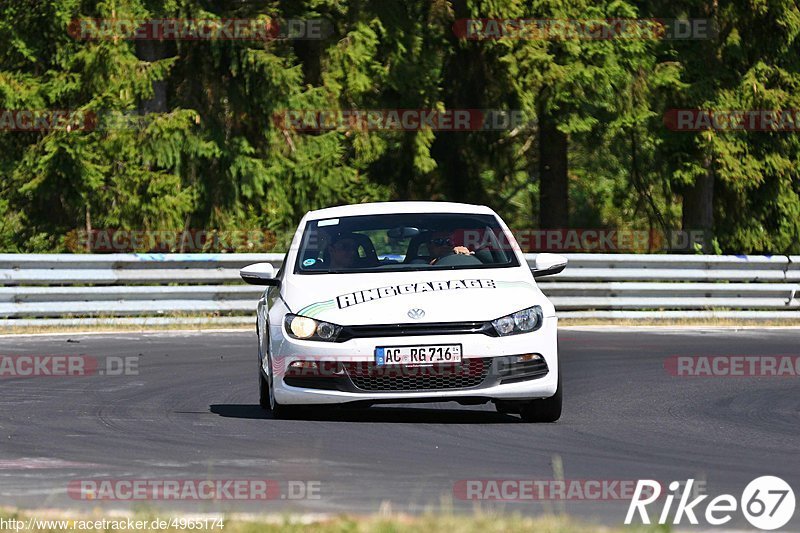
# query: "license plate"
[418,354]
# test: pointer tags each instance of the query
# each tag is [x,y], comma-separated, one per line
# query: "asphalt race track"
[190,413]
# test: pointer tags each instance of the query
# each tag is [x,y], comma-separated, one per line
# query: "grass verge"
[479,522]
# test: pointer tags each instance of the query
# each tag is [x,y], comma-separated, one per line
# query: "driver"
[440,244]
[343,252]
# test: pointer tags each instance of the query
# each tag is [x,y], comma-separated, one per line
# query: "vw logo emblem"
[416,313]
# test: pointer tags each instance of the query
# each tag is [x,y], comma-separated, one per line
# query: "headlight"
[504,326]
[301,327]
[524,321]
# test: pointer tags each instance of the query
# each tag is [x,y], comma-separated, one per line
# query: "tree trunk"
[153,51]
[698,205]
[698,198]
[88,228]
[553,190]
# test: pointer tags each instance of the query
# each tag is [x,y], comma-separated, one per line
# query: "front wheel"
[545,410]
[267,401]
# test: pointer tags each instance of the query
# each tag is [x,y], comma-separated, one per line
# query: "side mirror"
[548,264]
[259,274]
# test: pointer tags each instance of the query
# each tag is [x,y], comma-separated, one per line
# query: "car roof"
[379,208]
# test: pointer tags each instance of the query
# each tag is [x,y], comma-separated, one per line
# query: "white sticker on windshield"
[329,222]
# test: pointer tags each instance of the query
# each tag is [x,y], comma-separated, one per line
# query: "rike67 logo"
[767,502]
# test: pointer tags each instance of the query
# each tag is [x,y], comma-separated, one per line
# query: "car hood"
[389,298]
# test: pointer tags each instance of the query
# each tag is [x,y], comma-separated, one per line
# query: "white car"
[407,302]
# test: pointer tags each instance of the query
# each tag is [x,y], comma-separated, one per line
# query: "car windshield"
[408,241]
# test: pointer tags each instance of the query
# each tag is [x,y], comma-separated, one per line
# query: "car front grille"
[395,378]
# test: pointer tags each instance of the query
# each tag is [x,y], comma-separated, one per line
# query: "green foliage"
[186,136]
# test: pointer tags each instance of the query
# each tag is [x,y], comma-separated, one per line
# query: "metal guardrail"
[623,286]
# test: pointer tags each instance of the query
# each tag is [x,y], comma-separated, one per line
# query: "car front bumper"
[343,361]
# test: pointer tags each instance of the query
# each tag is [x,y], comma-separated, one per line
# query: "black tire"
[283,412]
[263,391]
[263,385]
[545,410]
